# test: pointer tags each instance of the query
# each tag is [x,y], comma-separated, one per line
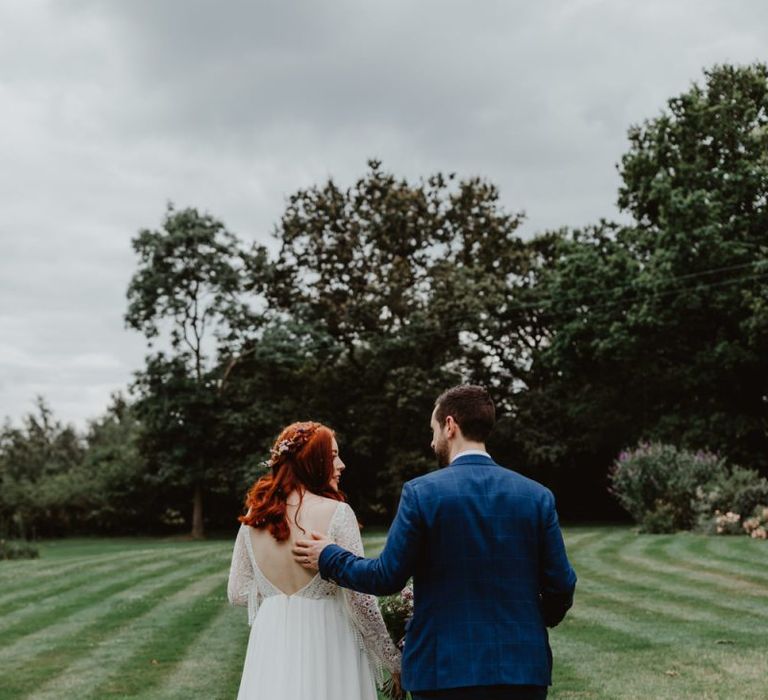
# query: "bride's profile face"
[338,465]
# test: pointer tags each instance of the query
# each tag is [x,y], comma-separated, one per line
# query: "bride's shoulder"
[328,505]
[336,510]
[333,504]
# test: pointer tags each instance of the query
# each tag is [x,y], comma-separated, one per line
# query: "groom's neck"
[458,447]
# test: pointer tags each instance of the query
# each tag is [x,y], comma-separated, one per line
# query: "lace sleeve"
[241,588]
[364,609]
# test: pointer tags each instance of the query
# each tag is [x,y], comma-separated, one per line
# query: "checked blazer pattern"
[490,573]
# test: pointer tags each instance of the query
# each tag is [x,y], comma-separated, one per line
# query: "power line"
[547,301]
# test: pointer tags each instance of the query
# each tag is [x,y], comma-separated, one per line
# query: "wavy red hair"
[306,464]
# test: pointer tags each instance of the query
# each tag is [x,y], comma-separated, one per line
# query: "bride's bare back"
[274,558]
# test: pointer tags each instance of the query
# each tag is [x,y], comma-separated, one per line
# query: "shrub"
[757,526]
[727,523]
[662,518]
[738,491]
[657,484]
[18,550]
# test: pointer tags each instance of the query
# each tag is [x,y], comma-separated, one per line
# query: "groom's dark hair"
[471,407]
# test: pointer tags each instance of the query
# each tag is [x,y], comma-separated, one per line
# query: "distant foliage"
[18,550]
[55,480]
[657,484]
[36,460]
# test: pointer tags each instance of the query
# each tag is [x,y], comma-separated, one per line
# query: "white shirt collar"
[466,453]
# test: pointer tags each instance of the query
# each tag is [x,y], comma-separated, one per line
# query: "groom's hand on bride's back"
[307,552]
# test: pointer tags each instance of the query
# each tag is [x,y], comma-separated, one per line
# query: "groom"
[489,567]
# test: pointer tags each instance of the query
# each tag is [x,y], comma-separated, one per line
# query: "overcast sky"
[111,108]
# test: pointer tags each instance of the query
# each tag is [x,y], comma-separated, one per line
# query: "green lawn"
[680,616]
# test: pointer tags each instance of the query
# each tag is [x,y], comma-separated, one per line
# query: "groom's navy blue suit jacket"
[490,573]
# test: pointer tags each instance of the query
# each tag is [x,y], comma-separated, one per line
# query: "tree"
[36,461]
[696,181]
[658,328]
[192,279]
[403,283]
[111,481]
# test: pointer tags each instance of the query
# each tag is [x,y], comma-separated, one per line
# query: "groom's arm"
[394,566]
[557,577]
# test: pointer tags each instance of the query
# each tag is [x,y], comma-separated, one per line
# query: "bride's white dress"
[322,642]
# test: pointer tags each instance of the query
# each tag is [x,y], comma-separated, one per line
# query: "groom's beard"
[443,454]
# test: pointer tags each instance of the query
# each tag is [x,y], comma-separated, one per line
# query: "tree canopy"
[381,294]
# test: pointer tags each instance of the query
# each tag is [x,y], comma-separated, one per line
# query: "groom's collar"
[468,456]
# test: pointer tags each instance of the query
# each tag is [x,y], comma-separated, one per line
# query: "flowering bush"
[727,523]
[739,491]
[757,526]
[657,484]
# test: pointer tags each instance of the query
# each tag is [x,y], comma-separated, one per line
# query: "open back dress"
[321,642]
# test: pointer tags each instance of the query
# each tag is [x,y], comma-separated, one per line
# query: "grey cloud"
[112,107]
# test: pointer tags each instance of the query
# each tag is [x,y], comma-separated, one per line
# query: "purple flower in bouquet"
[397,611]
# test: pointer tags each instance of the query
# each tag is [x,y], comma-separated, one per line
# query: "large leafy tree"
[696,181]
[659,328]
[410,287]
[193,285]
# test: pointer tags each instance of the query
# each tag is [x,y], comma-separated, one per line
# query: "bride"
[309,638]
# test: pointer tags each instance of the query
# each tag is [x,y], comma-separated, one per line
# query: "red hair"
[302,460]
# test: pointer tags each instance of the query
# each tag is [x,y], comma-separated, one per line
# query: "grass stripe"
[164,644]
[678,551]
[48,567]
[616,556]
[23,581]
[657,642]
[58,643]
[670,605]
[677,606]
[672,627]
[657,646]
[598,575]
[212,665]
[85,675]
[656,550]
[745,546]
[582,543]
[699,547]
[27,620]
[40,574]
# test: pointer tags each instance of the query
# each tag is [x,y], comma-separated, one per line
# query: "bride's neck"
[297,496]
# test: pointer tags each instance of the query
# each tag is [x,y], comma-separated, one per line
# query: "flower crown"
[291,445]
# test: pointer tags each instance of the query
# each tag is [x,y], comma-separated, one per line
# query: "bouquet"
[397,611]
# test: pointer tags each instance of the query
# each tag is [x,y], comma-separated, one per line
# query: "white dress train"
[322,642]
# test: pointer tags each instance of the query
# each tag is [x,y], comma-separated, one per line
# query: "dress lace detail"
[364,609]
[242,588]
[249,587]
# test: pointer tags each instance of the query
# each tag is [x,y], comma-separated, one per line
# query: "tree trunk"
[197,514]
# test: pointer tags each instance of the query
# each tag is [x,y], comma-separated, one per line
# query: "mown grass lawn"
[680,616]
